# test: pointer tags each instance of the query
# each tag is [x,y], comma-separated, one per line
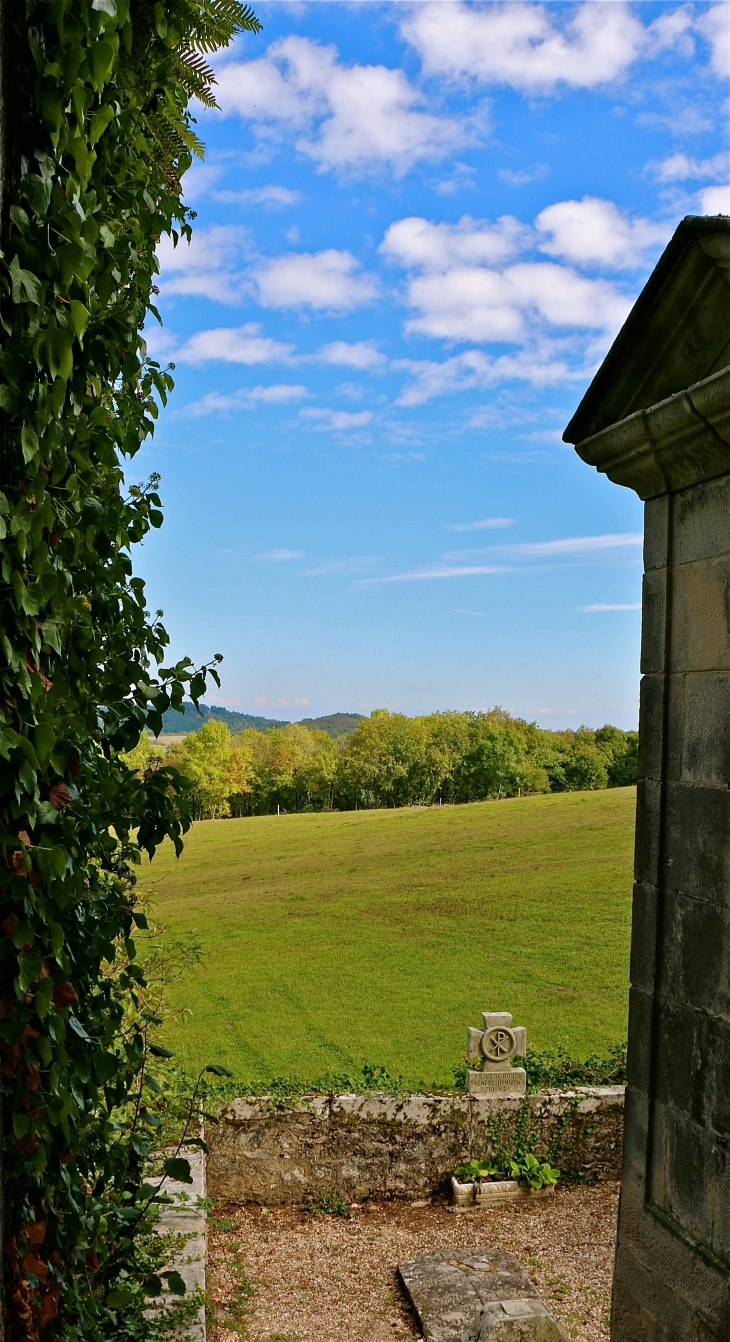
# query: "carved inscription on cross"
[495,1045]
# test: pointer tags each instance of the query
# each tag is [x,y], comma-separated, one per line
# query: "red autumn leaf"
[67,1157]
[63,995]
[33,1079]
[17,863]
[49,1296]
[10,924]
[35,1231]
[32,1263]
[25,836]
[91,1259]
[59,796]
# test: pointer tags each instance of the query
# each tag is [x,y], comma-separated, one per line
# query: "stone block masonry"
[656,419]
[360,1147]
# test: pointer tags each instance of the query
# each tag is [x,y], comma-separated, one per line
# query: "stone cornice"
[669,446]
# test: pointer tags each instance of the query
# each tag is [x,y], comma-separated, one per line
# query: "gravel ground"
[281,1275]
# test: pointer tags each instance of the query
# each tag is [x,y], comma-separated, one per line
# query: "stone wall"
[382,1146]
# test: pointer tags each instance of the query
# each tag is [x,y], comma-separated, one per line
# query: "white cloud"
[361,354]
[417,244]
[324,281]
[523,175]
[206,267]
[473,369]
[339,420]
[486,524]
[604,605]
[437,571]
[714,26]
[216,403]
[462,290]
[571,545]
[347,117]
[271,197]
[526,45]
[681,167]
[595,232]
[714,200]
[280,556]
[233,344]
[263,702]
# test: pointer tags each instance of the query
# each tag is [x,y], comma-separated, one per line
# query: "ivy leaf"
[30,966]
[36,191]
[105,6]
[28,442]
[27,288]
[175,1283]
[52,109]
[45,740]
[9,398]
[60,357]
[102,59]
[78,1028]
[79,316]
[42,998]
[99,122]
[119,1297]
[178,1168]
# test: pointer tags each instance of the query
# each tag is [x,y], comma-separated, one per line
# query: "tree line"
[390,760]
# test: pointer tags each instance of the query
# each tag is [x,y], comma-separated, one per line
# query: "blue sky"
[419,228]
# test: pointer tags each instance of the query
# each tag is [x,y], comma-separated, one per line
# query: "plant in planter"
[483,1181]
[475,1171]
[531,1173]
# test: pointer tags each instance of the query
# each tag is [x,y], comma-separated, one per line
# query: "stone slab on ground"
[184,1216]
[476,1295]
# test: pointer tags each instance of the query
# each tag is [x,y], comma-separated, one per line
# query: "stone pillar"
[672,1270]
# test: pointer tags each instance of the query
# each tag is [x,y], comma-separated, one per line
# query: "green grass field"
[378,936]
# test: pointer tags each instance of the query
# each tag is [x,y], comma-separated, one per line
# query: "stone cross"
[496,1044]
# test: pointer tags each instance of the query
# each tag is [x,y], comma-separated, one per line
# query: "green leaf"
[102,60]
[60,356]
[28,442]
[79,316]
[99,122]
[45,740]
[177,1167]
[30,965]
[175,1283]
[26,286]
[42,998]
[119,1297]
[52,109]
[9,398]
[78,1028]
[36,191]
[105,6]
[217,1070]
[158,1051]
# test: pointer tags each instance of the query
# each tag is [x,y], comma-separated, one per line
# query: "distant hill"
[335,724]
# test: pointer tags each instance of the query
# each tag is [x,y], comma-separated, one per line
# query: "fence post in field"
[656,419]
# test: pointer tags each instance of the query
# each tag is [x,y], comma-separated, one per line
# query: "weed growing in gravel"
[328,1205]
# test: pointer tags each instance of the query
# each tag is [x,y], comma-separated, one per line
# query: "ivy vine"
[98,135]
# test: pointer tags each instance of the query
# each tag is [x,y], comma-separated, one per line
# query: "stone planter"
[485,1194]
[463,1194]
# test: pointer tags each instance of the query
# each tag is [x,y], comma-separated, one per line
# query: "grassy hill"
[173,723]
[378,936]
